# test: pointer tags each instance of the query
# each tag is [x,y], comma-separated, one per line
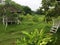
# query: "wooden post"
[3,20]
[6,22]
[11,22]
[18,21]
[53,21]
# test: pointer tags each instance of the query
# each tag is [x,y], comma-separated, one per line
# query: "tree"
[51,7]
[27,10]
[40,11]
[48,3]
[57,8]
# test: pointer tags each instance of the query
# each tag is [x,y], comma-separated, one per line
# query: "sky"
[33,4]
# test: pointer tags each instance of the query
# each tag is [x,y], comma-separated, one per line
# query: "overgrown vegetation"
[34,27]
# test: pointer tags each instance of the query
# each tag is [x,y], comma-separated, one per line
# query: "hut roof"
[12,9]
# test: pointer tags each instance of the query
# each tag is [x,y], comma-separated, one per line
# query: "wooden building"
[11,15]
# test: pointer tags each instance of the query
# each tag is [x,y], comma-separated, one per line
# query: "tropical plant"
[35,38]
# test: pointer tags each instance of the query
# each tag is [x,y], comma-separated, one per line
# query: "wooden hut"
[10,15]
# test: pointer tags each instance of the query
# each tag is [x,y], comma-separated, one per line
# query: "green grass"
[12,32]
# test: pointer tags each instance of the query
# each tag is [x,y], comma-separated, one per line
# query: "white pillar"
[3,20]
[18,21]
[53,22]
[6,21]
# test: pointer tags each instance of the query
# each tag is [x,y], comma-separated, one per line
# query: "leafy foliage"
[35,38]
[33,29]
